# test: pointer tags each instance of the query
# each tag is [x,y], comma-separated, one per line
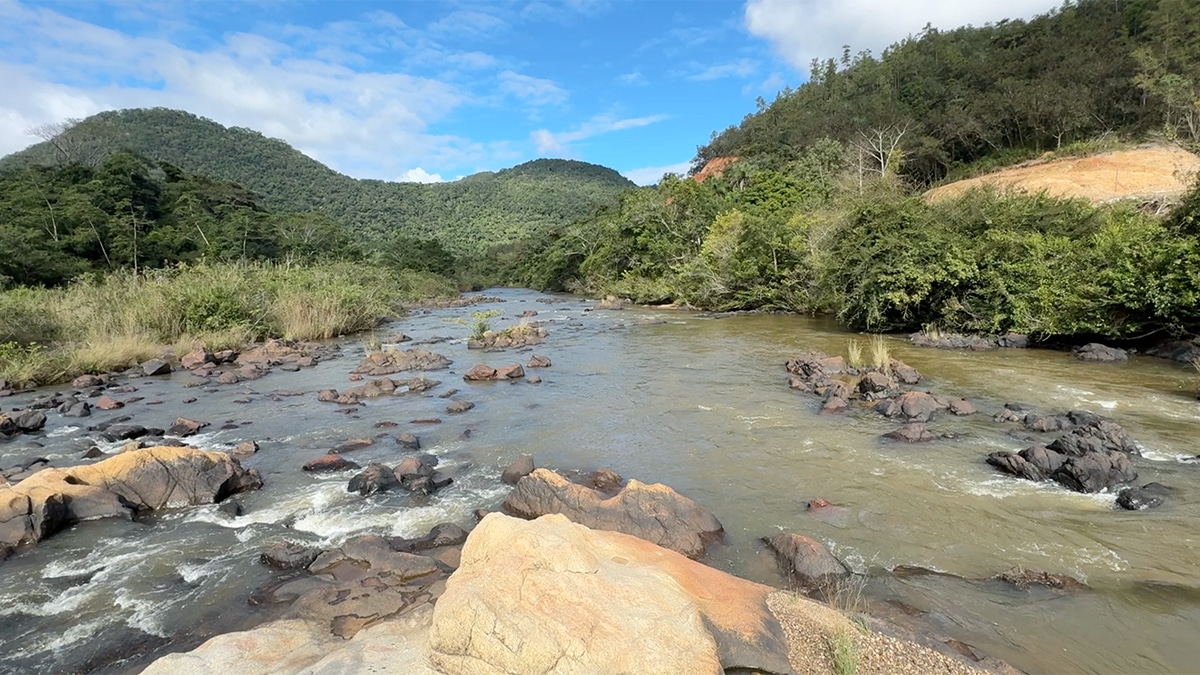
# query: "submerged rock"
[1022,579]
[1148,496]
[396,361]
[655,513]
[526,592]
[913,432]
[804,559]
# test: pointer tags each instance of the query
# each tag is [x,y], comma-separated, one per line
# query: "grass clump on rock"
[109,322]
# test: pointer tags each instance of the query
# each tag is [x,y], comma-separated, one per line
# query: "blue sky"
[426,90]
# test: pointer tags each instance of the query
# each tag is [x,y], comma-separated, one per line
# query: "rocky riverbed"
[374,465]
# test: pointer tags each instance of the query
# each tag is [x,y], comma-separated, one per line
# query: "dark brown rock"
[409,441]
[913,432]
[184,427]
[804,559]
[329,462]
[286,555]
[479,373]
[374,478]
[156,367]
[539,362]
[1099,353]
[962,407]
[520,467]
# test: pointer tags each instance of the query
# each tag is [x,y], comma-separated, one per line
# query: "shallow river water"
[697,402]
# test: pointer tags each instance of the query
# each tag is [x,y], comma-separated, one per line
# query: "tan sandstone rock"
[655,512]
[550,595]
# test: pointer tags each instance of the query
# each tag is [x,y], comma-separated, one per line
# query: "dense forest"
[822,209]
[464,216]
[940,101]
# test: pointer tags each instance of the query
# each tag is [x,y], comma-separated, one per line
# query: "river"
[695,401]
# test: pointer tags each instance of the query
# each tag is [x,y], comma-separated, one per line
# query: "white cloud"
[632,78]
[801,30]
[419,175]
[531,89]
[741,68]
[551,143]
[364,122]
[652,174]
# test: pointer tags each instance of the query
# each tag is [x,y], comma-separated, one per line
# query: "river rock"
[480,373]
[1046,423]
[124,432]
[85,382]
[196,359]
[396,361]
[108,403]
[22,421]
[913,432]
[352,445]
[245,449]
[874,383]
[655,512]
[149,479]
[1148,496]
[286,555]
[409,441]
[184,427]
[1094,434]
[952,341]
[919,406]
[1099,353]
[458,407]
[833,405]
[1022,579]
[539,362]
[804,559]
[330,462]
[445,534]
[526,592]
[156,367]
[374,478]
[605,480]
[904,373]
[78,409]
[520,467]
[961,407]
[513,372]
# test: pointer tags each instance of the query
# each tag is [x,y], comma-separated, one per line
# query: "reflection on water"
[699,403]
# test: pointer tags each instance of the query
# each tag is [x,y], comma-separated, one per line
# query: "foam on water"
[62,431]
[58,641]
[145,615]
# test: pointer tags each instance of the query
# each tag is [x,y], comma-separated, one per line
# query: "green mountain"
[466,216]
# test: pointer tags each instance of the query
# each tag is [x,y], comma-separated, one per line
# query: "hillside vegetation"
[939,101]
[822,210]
[464,216]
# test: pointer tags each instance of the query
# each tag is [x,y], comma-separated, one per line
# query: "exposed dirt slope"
[714,168]
[1149,172]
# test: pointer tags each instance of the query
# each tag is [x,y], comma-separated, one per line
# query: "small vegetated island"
[1024,182]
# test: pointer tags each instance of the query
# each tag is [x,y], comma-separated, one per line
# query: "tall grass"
[854,354]
[110,322]
[881,355]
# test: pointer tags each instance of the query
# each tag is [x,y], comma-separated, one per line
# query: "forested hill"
[941,100]
[466,216]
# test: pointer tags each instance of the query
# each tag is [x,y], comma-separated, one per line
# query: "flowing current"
[695,401]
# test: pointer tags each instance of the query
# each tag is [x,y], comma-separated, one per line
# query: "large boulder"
[655,513]
[806,560]
[1093,455]
[552,596]
[1099,353]
[138,480]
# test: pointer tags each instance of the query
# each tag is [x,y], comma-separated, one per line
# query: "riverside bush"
[101,323]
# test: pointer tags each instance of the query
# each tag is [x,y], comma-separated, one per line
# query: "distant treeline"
[464,216]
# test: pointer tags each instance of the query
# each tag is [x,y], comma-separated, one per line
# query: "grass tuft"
[844,650]
[854,354]
[881,355]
